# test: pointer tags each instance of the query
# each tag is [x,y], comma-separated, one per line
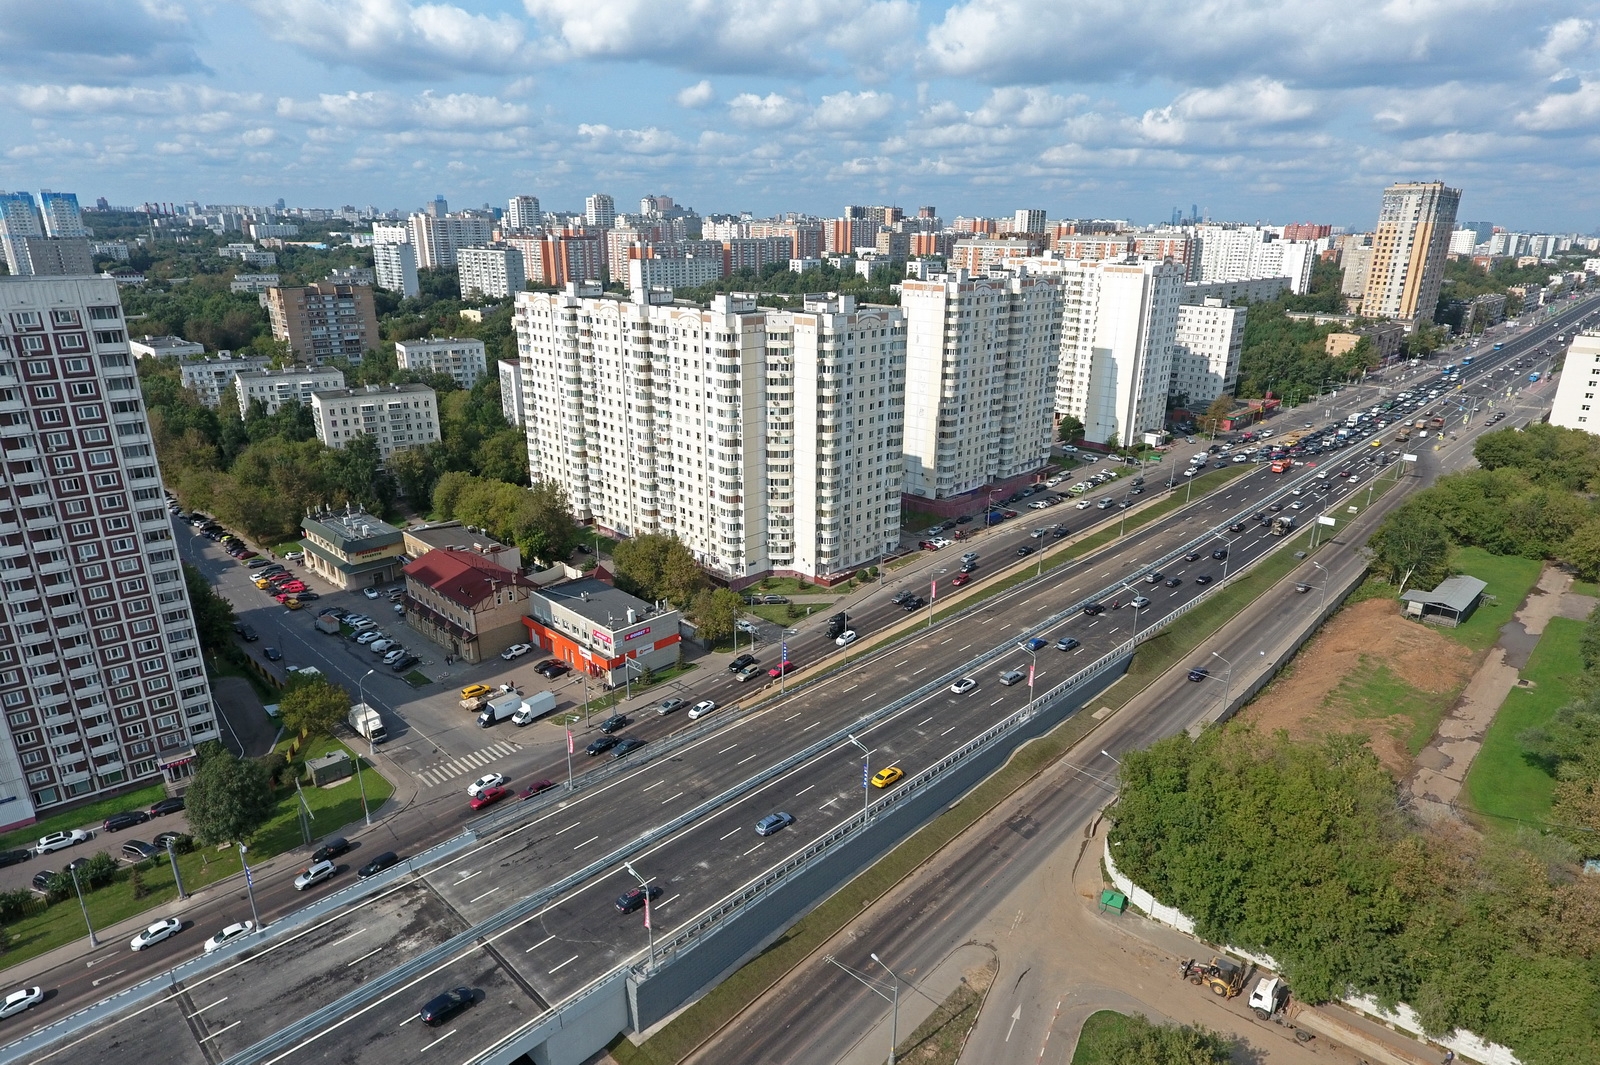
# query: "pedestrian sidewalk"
[919,996]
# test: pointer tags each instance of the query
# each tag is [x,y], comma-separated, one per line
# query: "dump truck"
[1436,422]
[327,623]
[1224,976]
[1282,525]
[367,723]
[534,707]
[499,708]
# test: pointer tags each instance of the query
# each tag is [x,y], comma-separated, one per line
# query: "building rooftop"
[463,577]
[1454,593]
[353,530]
[324,395]
[598,602]
[453,535]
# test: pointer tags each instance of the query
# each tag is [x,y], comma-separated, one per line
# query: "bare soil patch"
[1368,670]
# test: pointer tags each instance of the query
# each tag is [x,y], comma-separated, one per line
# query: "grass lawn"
[1097,1030]
[916,521]
[1372,690]
[939,1039]
[285,548]
[1509,580]
[331,808]
[1586,588]
[786,586]
[1502,783]
[416,678]
[91,814]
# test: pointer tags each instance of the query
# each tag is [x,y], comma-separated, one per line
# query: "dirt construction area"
[1368,670]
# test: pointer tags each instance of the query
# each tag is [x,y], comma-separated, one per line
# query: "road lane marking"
[580,846]
[743,760]
[803,790]
[735,832]
[897,665]
[963,647]
[728,748]
[997,701]
[854,686]
[202,1009]
[677,796]
[570,827]
[920,672]
[218,1032]
[946,640]
[663,902]
[369,953]
[492,890]
[539,944]
[752,850]
[872,696]
[468,876]
[811,726]
[949,730]
[924,721]
[827,804]
[791,717]
[657,784]
[439,1040]
[358,931]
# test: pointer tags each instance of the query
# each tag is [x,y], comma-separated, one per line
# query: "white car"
[383,646]
[749,627]
[516,650]
[155,933]
[488,780]
[58,840]
[233,931]
[370,593]
[295,556]
[846,638]
[964,685]
[394,656]
[702,708]
[21,999]
[316,873]
[1084,504]
[1138,602]
[368,636]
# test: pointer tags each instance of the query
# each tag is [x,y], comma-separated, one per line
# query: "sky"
[1255,110]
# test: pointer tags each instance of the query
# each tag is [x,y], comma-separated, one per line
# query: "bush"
[277,765]
[101,870]
[58,888]
[136,883]
[183,844]
[15,905]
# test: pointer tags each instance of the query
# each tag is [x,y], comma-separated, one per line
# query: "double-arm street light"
[1227,681]
[889,991]
[361,695]
[866,778]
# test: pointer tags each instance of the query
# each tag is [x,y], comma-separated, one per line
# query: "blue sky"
[1253,109]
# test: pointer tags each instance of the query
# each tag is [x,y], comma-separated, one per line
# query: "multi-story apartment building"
[495,270]
[977,255]
[351,275]
[101,679]
[1241,253]
[981,355]
[1028,220]
[1409,250]
[397,417]
[462,358]
[212,377]
[273,388]
[1119,322]
[674,266]
[1575,406]
[511,404]
[394,260]
[256,284]
[324,320]
[62,218]
[50,257]
[437,238]
[1205,352]
[19,220]
[834,425]
[523,213]
[600,211]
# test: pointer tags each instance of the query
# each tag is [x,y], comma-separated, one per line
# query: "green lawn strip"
[778,614]
[1372,690]
[80,816]
[1586,588]
[917,520]
[286,548]
[939,1039]
[416,678]
[331,808]
[1502,783]
[1509,581]
[1101,1027]
[600,699]
[786,586]
[903,560]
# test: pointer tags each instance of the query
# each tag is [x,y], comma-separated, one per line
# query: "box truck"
[499,708]
[365,720]
[534,707]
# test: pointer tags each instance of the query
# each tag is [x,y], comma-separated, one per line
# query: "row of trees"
[537,519]
[1301,851]
[658,567]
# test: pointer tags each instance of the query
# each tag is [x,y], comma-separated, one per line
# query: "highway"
[579,935]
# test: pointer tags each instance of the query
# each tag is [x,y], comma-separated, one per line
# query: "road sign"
[865,780]
[1325,520]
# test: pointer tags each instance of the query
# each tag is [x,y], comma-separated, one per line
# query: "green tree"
[681,576]
[1136,1041]
[213,614]
[1219,409]
[416,473]
[1069,430]
[100,870]
[312,707]
[228,799]
[1410,543]
[714,611]
[503,456]
[544,526]
[639,564]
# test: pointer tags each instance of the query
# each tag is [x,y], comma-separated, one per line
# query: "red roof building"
[466,604]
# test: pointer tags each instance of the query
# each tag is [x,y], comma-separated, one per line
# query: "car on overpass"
[886,776]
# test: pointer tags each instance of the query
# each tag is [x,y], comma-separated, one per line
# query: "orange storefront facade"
[596,629]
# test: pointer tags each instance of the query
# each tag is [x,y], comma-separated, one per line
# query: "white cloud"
[384,110]
[97,40]
[852,110]
[730,35]
[765,112]
[395,38]
[697,95]
[1561,112]
[85,100]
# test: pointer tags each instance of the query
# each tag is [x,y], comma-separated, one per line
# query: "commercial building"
[460,357]
[437,238]
[273,388]
[981,355]
[466,604]
[600,631]
[394,265]
[212,377]
[511,404]
[352,549]
[1409,250]
[101,679]
[494,270]
[148,347]
[1118,326]
[397,417]
[1575,406]
[1205,352]
[324,321]
[455,536]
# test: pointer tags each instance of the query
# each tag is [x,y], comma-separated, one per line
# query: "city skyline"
[975,106]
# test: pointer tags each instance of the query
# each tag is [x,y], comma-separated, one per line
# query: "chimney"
[633,616]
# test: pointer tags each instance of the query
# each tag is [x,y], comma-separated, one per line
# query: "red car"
[961,578]
[489,796]
[781,668]
[292,586]
[535,788]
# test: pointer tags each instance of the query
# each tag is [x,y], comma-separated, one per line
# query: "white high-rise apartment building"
[1463,242]
[461,357]
[764,440]
[600,211]
[101,679]
[494,271]
[397,417]
[394,267]
[19,220]
[1575,405]
[62,218]
[674,267]
[981,355]
[1028,220]
[834,423]
[1119,323]
[1242,253]
[1205,352]
[511,404]
[436,239]
[523,213]
[1408,251]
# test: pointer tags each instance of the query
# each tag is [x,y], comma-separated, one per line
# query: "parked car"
[331,848]
[405,662]
[775,600]
[601,745]
[535,788]
[137,850]
[126,819]
[272,654]
[551,668]
[615,723]
[55,841]
[516,650]
[14,857]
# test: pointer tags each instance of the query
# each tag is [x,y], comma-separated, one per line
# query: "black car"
[1153,577]
[1059,533]
[627,746]
[1199,674]
[968,567]
[14,857]
[621,721]
[126,819]
[163,838]
[1192,556]
[1220,553]
[602,745]
[1094,610]
[440,1008]
[1275,507]
[378,864]
[739,663]
[916,602]
[552,668]
[331,848]
[963,519]
[1172,582]
[633,899]
[167,806]
[1024,551]
[248,634]
[901,597]
[404,662]
[1204,578]
[272,654]
[41,880]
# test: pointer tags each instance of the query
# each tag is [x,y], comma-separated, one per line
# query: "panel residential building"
[1205,352]
[511,404]
[462,358]
[1409,250]
[212,376]
[437,238]
[981,356]
[394,266]
[324,321]
[19,220]
[397,417]
[1575,405]
[101,679]
[273,388]
[496,271]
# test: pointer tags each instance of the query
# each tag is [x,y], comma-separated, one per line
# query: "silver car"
[316,873]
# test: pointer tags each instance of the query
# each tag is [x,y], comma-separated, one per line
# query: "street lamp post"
[866,778]
[894,1013]
[93,942]
[1324,604]
[650,933]
[177,877]
[1032,668]
[890,995]
[1227,556]
[249,886]
[1227,681]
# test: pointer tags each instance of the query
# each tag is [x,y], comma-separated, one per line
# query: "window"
[43,392]
[65,317]
[83,389]
[105,314]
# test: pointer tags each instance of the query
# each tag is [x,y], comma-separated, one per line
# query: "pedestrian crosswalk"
[467,764]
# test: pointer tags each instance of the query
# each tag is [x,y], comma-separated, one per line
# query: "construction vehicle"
[1282,524]
[1224,976]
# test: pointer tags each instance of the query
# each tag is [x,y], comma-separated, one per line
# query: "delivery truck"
[534,707]
[327,623]
[368,725]
[499,708]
